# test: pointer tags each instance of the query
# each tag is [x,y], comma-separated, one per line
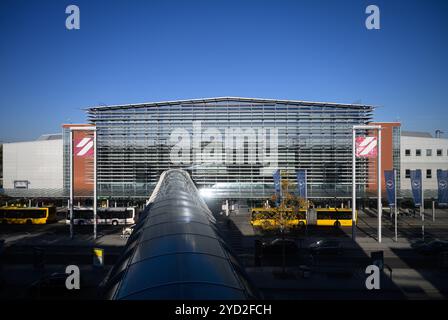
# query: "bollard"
[377,259]
[433,211]
[38,258]
[258,252]
[98,257]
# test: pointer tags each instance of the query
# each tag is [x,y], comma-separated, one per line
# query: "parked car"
[2,246]
[275,247]
[52,287]
[326,247]
[420,242]
[433,247]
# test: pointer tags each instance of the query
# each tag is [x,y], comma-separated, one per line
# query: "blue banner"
[416,185]
[389,177]
[301,184]
[442,183]
[277,186]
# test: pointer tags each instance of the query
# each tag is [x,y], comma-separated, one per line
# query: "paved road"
[54,240]
[17,271]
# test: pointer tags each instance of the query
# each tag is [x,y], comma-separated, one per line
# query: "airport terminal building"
[231,146]
[33,169]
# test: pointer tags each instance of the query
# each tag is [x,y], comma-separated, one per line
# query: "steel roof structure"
[224,99]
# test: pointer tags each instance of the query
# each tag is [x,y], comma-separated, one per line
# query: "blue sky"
[138,51]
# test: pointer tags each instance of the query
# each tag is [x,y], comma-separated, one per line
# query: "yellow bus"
[269,218]
[295,218]
[264,218]
[335,217]
[17,215]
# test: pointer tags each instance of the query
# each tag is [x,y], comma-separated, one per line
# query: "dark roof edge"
[416,134]
[220,99]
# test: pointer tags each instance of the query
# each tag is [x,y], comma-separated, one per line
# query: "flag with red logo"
[83,157]
[366,147]
[83,147]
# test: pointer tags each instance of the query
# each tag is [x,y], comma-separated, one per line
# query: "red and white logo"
[84,147]
[366,147]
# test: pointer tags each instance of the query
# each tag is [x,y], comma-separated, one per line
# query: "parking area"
[34,252]
[411,270]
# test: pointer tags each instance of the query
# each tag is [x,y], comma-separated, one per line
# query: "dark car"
[433,247]
[277,246]
[326,247]
[416,244]
[2,280]
[51,287]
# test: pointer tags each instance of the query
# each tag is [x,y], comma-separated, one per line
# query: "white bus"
[111,216]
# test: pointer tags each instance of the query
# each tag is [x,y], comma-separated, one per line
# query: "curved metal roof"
[176,252]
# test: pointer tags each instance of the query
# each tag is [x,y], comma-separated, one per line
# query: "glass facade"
[231,146]
[396,153]
[66,159]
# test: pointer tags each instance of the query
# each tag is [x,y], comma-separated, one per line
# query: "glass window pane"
[170,269]
[180,243]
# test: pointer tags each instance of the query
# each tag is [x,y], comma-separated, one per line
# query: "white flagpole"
[395,207]
[306,189]
[354,186]
[380,209]
[433,211]
[94,187]
[422,206]
[71,185]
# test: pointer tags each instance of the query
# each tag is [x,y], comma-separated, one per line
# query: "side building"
[420,150]
[34,168]
[1,166]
